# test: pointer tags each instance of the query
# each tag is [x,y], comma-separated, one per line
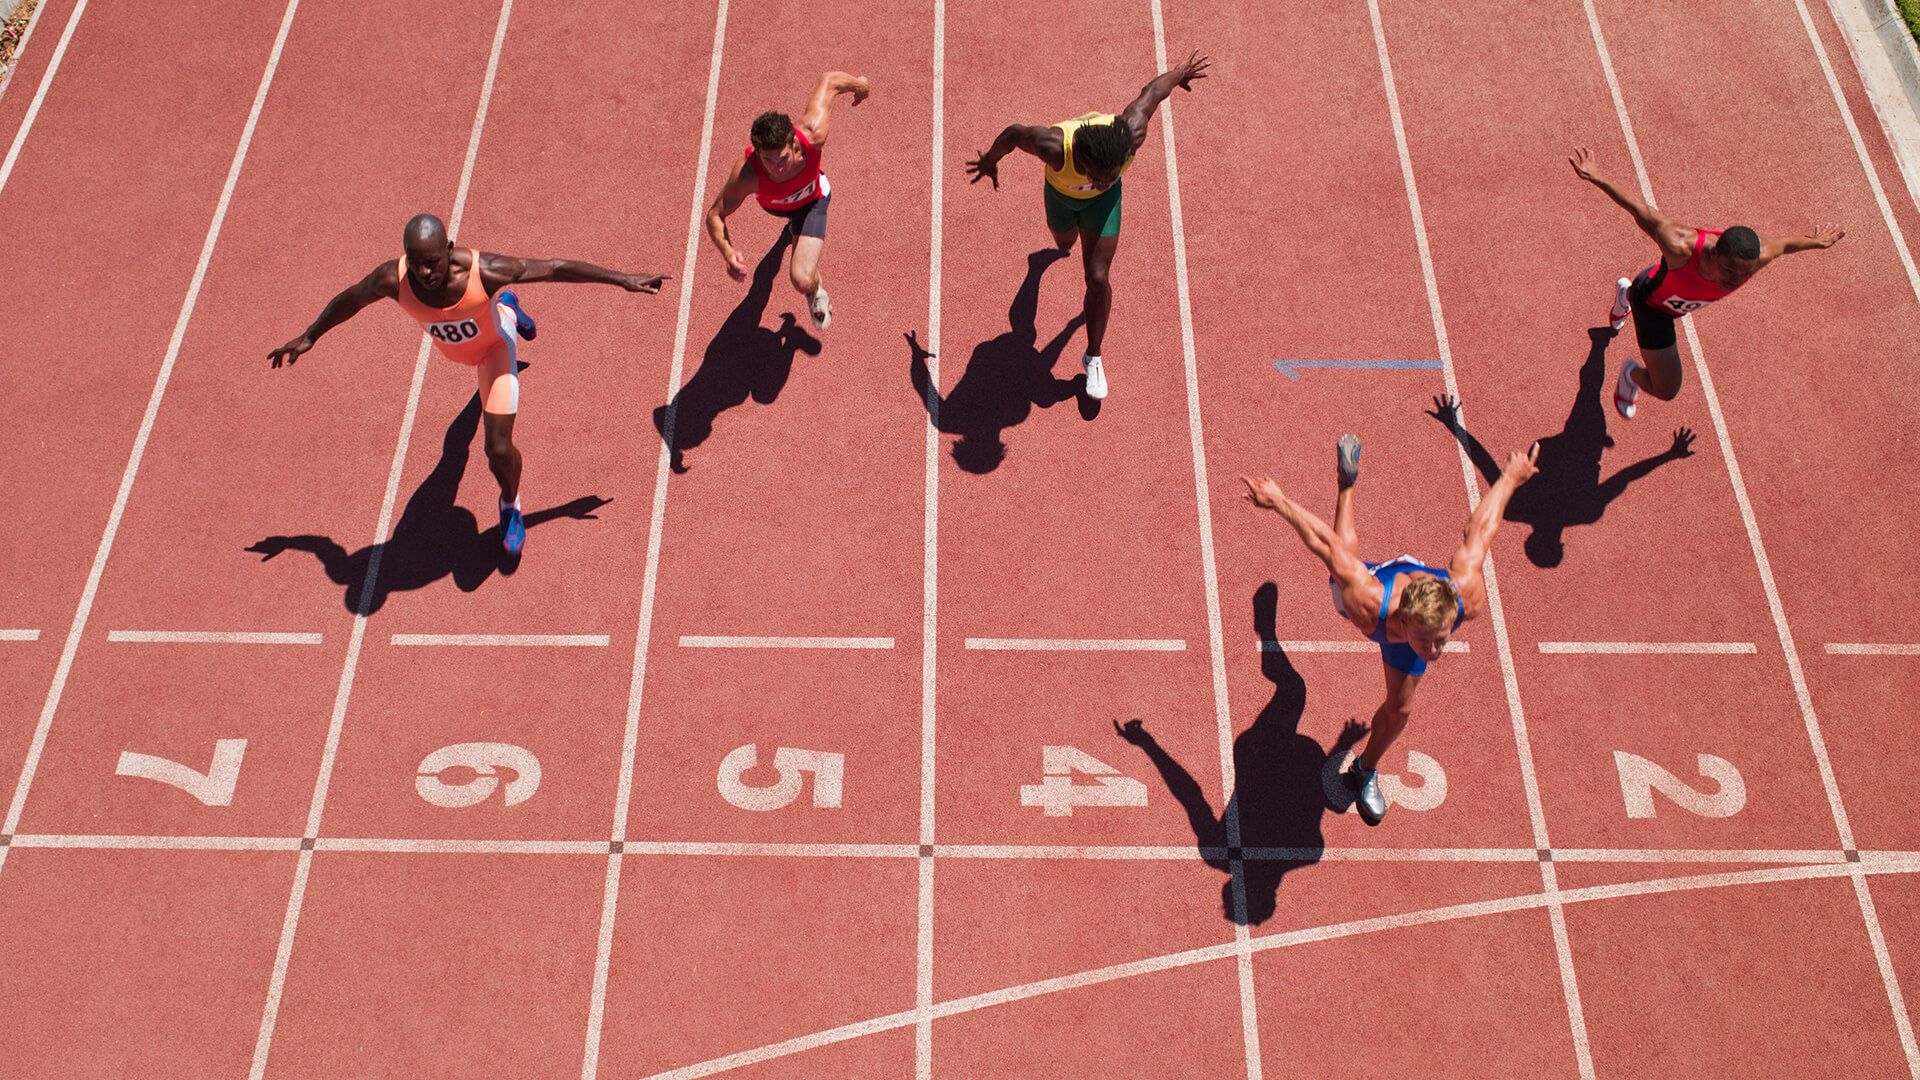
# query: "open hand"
[1682,443]
[1446,409]
[291,351]
[646,283]
[984,167]
[1582,162]
[1195,67]
[1827,235]
[1264,493]
[1522,465]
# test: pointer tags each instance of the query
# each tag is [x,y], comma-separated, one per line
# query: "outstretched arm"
[1359,589]
[383,281]
[1155,92]
[499,271]
[1818,240]
[1477,537]
[1043,142]
[1617,483]
[1675,240]
[819,112]
[1446,409]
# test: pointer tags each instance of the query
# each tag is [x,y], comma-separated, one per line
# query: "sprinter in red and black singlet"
[1696,267]
[781,169]
[456,296]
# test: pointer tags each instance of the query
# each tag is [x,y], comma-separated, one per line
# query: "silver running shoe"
[1367,795]
[1348,452]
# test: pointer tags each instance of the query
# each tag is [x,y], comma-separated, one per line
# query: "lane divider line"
[1077,644]
[1530,784]
[698,641]
[213,637]
[504,640]
[1650,648]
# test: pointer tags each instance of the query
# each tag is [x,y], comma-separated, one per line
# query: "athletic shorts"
[1652,327]
[809,220]
[498,370]
[1099,215]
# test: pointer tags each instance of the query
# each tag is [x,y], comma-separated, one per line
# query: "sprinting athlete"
[1408,608]
[1085,157]
[781,169]
[1696,267]
[450,292]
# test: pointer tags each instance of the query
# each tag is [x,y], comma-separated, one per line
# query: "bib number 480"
[453,333]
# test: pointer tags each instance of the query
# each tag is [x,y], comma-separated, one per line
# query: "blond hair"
[1430,603]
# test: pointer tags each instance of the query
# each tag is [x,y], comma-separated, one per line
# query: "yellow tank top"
[1069,180]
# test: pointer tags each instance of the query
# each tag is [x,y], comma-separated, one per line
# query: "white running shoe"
[1626,392]
[1367,796]
[820,308]
[1096,377]
[1347,456]
[1617,317]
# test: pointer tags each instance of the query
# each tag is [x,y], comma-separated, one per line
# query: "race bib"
[453,333]
[1680,305]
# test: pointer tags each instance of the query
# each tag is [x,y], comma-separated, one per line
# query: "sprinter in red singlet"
[1696,267]
[450,292]
[782,170]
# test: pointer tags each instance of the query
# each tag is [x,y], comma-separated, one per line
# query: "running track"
[1360,181]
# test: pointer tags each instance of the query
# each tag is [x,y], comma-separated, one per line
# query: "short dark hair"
[1740,242]
[1103,146]
[772,131]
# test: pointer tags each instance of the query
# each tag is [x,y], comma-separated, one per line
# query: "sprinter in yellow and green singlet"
[1084,158]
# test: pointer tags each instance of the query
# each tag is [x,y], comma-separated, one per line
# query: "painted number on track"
[467,774]
[1057,794]
[827,768]
[1428,794]
[213,787]
[1640,778]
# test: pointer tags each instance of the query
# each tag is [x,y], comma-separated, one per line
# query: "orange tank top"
[465,332]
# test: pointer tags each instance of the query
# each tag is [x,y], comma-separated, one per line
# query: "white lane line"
[1556,915]
[504,640]
[1077,644]
[1864,649]
[783,851]
[157,843]
[20,50]
[1216,639]
[1652,648]
[87,595]
[1775,607]
[1860,147]
[1262,943]
[363,606]
[1685,855]
[40,94]
[213,637]
[461,847]
[930,556]
[1346,646]
[696,641]
[19,635]
[650,578]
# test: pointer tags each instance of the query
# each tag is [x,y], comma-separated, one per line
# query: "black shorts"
[809,220]
[1651,326]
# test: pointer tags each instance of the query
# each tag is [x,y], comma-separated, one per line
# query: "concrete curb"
[1889,64]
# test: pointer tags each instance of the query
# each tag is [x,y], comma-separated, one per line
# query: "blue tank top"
[1386,572]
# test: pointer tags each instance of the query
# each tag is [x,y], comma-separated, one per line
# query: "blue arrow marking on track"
[1290,368]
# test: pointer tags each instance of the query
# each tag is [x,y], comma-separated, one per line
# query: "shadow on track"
[1278,792]
[434,538]
[1568,491]
[744,360]
[1005,378]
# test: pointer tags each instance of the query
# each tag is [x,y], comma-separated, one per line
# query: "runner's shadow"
[1005,377]
[434,537]
[1568,490]
[1278,792]
[744,360]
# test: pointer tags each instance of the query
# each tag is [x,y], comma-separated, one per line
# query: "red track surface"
[327,920]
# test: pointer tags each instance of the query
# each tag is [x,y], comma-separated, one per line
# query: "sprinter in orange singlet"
[450,292]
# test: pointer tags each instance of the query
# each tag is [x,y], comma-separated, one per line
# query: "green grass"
[1910,11]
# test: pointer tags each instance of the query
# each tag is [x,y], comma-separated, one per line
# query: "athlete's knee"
[500,445]
[1097,275]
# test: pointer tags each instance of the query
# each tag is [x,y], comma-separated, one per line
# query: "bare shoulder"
[384,279]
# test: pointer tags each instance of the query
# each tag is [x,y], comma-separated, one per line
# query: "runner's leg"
[1391,717]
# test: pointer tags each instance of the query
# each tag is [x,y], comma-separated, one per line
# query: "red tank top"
[796,191]
[1686,290]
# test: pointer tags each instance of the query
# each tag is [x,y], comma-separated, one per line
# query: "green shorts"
[1099,215]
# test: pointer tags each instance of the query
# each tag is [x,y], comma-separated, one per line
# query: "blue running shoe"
[513,529]
[522,321]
